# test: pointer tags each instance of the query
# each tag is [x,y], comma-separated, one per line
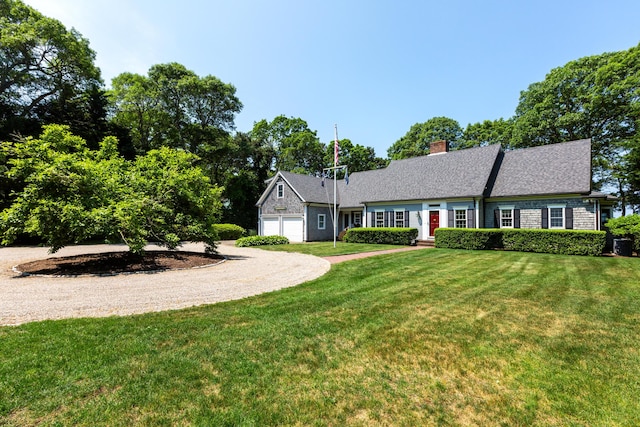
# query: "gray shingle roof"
[455,174]
[563,168]
[310,187]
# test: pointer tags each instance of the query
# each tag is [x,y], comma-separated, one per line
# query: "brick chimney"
[437,147]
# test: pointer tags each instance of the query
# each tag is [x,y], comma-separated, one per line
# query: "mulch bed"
[110,263]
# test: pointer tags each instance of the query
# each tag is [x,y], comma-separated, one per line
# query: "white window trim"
[395,219]
[375,218]
[322,221]
[549,207]
[455,219]
[357,218]
[510,209]
[280,190]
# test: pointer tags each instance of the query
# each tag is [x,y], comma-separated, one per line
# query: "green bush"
[261,241]
[382,235]
[567,242]
[627,227]
[229,231]
[468,238]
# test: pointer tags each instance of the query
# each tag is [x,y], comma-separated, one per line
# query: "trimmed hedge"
[468,238]
[566,242]
[229,231]
[261,241]
[381,235]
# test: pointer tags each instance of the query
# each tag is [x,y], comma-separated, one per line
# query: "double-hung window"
[399,219]
[322,221]
[506,218]
[379,219]
[556,217]
[280,190]
[460,218]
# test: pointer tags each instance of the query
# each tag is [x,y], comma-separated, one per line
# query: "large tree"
[486,133]
[417,140]
[296,147]
[73,194]
[47,73]
[174,107]
[356,157]
[595,97]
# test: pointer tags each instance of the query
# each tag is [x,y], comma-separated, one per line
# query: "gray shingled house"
[483,187]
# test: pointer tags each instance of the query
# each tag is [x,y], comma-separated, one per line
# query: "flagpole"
[335,186]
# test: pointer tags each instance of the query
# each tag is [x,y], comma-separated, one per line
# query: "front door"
[434,222]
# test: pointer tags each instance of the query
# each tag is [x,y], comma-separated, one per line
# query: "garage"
[271,226]
[292,229]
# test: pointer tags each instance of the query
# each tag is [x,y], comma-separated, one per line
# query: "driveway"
[246,272]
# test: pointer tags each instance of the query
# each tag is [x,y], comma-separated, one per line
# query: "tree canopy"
[73,194]
[595,97]
[43,68]
[417,140]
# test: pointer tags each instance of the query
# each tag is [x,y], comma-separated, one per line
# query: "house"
[482,187]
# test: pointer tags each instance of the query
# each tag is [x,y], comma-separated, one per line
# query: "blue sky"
[374,68]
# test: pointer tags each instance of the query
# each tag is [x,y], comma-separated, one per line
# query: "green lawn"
[431,337]
[326,248]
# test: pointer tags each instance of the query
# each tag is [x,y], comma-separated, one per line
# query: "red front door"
[434,222]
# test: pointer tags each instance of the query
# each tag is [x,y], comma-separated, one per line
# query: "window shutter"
[386,218]
[471,218]
[516,218]
[406,218]
[372,222]
[450,218]
[568,218]
[545,218]
[496,218]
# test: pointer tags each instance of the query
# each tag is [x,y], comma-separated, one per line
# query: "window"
[322,221]
[280,190]
[506,218]
[399,219]
[461,218]
[556,218]
[379,219]
[357,219]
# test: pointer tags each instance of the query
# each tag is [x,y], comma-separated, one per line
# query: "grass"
[322,249]
[432,337]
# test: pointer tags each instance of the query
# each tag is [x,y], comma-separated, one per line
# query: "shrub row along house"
[483,187]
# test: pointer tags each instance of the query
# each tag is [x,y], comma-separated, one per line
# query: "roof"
[309,188]
[455,174]
[563,168]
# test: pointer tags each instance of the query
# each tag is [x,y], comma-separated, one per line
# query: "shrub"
[261,241]
[468,238]
[381,235]
[627,227]
[229,231]
[567,242]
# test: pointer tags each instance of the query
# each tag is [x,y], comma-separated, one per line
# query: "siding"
[290,204]
[530,216]
[313,234]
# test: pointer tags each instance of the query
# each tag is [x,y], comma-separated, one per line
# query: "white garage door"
[270,226]
[292,229]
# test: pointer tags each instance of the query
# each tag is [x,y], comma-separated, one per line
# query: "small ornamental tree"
[72,194]
[628,227]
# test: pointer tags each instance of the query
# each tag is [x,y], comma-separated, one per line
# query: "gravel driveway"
[246,272]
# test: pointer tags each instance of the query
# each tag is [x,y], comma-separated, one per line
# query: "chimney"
[437,147]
